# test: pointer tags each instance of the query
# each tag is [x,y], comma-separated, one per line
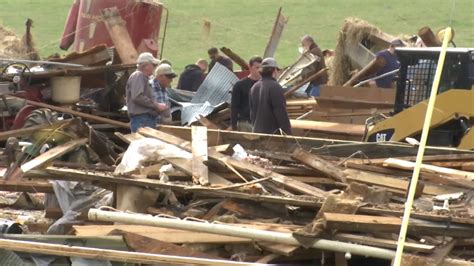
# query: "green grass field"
[245,25]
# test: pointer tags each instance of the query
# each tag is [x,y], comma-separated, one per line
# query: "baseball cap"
[147,58]
[269,62]
[397,43]
[165,69]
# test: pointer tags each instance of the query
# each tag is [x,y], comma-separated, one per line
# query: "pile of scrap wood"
[200,196]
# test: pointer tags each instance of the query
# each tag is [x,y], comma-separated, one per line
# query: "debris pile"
[78,188]
[256,198]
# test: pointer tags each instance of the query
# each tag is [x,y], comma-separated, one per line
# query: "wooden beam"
[383,243]
[319,164]
[119,35]
[199,153]
[329,127]
[241,165]
[85,116]
[141,243]
[161,234]
[366,223]
[184,165]
[22,185]
[52,154]
[104,254]
[450,173]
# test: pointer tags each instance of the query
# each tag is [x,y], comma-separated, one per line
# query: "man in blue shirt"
[164,75]
[385,61]
[391,63]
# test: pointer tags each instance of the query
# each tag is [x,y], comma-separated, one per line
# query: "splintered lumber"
[427,158]
[235,57]
[22,185]
[308,79]
[199,153]
[241,165]
[185,166]
[119,35]
[146,244]
[79,114]
[366,223]
[52,154]
[319,164]
[383,243]
[329,127]
[450,173]
[161,234]
[105,254]
[395,184]
[103,179]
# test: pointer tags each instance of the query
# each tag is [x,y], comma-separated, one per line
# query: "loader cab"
[417,71]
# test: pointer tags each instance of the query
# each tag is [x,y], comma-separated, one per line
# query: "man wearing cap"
[141,104]
[164,75]
[385,61]
[309,45]
[267,102]
[389,63]
[239,107]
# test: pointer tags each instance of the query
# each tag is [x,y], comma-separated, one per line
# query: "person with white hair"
[164,75]
[142,106]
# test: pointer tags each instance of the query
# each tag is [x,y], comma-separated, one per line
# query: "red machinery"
[84,28]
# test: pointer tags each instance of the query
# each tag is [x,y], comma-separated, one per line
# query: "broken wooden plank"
[329,127]
[104,254]
[441,252]
[141,243]
[119,34]
[280,249]
[241,165]
[395,184]
[319,164]
[22,185]
[88,117]
[366,223]
[451,173]
[383,243]
[52,154]
[185,166]
[161,234]
[426,159]
[199,155]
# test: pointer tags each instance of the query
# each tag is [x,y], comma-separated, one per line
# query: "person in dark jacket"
[309,45]
[192,76]
[267,102]
[215,56]
[240,110]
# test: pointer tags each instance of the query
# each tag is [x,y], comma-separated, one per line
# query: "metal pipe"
[236,231]
[377,77]
[39,62]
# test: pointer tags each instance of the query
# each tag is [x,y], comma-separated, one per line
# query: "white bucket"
[66,90]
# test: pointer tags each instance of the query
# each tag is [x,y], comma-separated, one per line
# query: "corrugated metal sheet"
[214,91]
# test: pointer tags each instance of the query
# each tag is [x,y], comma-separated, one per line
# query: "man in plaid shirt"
[164,75]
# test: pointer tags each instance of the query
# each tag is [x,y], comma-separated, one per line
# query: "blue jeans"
[142,120]
[314,90]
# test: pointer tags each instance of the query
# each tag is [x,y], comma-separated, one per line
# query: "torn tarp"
[213,92]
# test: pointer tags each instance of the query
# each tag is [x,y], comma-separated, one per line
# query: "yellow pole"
[421,150]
